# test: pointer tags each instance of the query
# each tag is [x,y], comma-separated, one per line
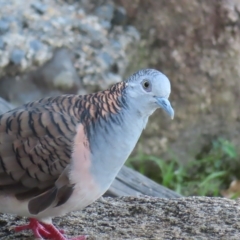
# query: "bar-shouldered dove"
[60,154]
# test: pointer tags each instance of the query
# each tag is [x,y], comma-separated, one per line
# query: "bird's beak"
[166,106]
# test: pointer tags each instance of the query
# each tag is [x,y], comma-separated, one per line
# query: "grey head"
[149,89]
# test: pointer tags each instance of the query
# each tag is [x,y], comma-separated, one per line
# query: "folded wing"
[35,152]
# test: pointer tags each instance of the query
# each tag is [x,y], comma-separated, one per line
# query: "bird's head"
[150,89]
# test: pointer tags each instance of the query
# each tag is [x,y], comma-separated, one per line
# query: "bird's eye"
[146,85]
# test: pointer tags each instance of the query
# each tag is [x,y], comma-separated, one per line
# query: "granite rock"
[30,36]
[144,218]
[196,44]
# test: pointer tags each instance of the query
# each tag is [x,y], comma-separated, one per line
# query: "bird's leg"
[39,231]
[44,230]
[57,235]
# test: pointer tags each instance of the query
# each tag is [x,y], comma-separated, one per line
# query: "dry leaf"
[233,191]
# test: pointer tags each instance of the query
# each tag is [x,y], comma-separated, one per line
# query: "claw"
[38,230]
[43,230]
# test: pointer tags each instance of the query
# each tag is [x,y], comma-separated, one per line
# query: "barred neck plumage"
[103,106]
[105,102]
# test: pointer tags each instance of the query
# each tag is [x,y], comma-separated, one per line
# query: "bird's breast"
[86,189]
[111,144]
[98,155]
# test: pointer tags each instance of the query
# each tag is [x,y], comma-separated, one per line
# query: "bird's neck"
[118,133]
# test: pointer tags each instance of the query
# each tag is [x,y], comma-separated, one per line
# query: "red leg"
[38,230]
[57,235]
[47,231]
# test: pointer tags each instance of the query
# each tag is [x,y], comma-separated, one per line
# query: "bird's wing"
[35,152]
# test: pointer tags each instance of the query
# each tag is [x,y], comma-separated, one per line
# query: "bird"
[60,154]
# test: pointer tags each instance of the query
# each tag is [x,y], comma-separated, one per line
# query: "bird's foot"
[47,231]
[38,229]
[57,235]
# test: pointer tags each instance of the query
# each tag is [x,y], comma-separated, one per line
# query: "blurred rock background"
[79,46]
[196,43]
[51,47]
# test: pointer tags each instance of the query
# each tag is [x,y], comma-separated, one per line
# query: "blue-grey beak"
[166,106]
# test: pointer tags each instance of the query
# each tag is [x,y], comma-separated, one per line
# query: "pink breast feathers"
[86,189]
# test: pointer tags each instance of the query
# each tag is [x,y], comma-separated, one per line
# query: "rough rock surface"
[196,43]
[49,47]
[146,218]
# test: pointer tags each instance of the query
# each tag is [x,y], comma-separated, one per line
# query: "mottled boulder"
[61,47]
[196,43]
